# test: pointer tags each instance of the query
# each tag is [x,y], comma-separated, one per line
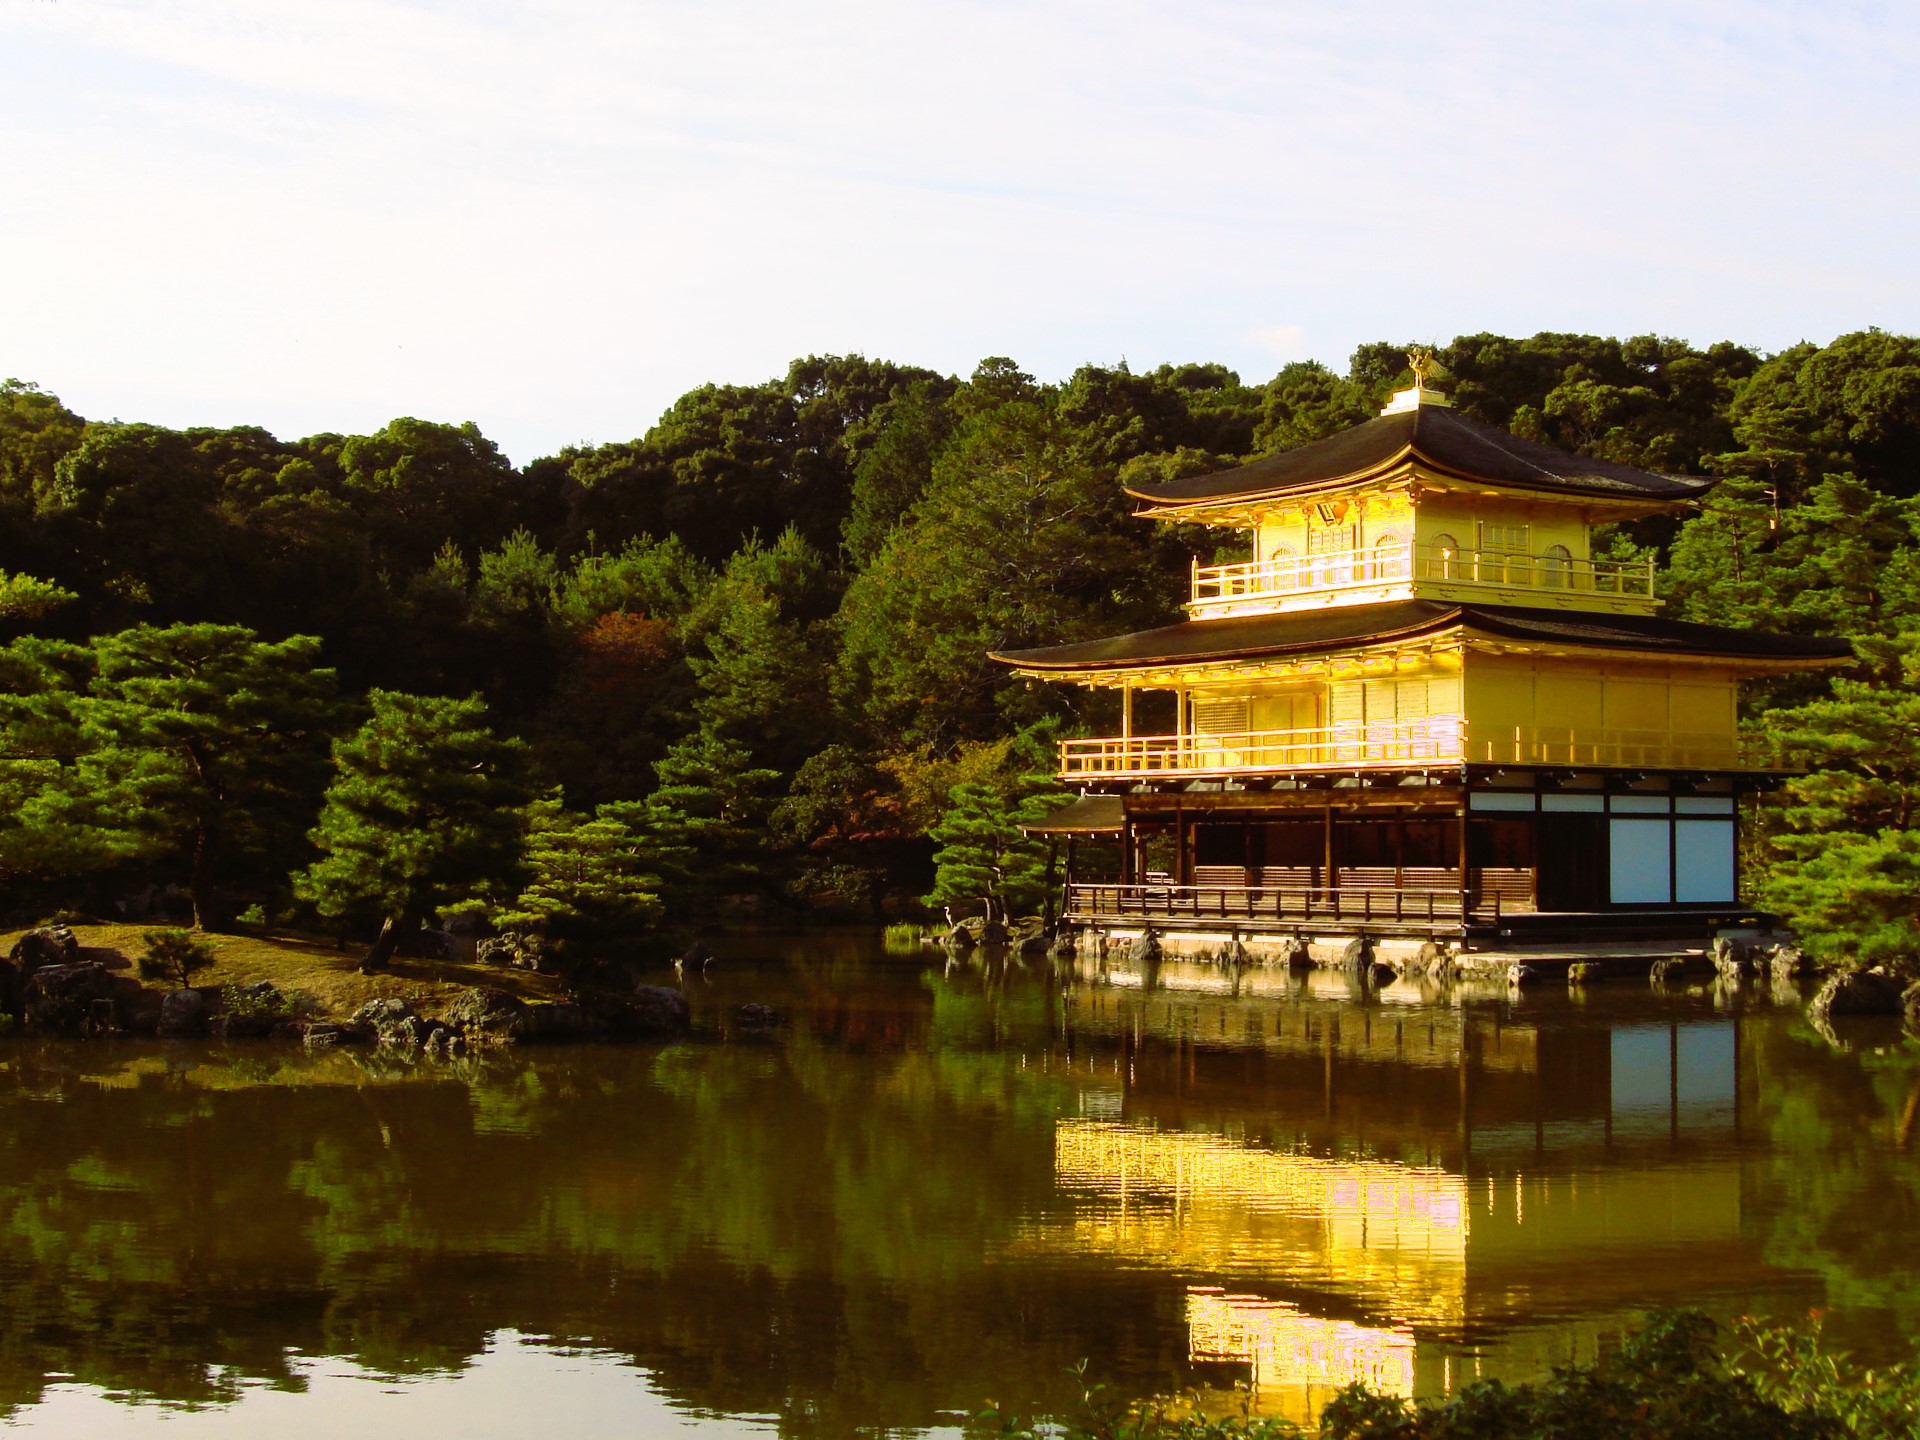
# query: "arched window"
[1446,557]
[1389,557]
[1285,568]
[1556,567]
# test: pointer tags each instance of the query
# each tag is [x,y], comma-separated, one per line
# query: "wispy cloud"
[553,218]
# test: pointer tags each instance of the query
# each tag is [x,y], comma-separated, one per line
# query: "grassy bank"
[300,963]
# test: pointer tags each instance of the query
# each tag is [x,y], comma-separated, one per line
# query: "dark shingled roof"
[1088,815]
[1447,441]
[1339,626]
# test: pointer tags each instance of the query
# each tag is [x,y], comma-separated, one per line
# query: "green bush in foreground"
[1669,1381]
[174,956]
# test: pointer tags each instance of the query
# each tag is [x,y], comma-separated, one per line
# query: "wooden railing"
[1397,742]
[1227,903]
[1441,740]
[1224,586]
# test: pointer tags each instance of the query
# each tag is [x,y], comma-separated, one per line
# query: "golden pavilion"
[1423,707]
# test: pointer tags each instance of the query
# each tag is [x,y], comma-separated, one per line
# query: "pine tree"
[584,874]
[424,811]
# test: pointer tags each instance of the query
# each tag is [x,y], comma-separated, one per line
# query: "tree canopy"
[757,633]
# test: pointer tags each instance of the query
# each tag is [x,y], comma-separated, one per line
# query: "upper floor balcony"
[1429,571]
[1441,740]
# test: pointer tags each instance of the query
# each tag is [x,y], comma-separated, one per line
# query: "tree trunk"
[383,945]
[206,912]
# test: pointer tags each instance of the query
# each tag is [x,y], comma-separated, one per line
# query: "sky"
[552,219]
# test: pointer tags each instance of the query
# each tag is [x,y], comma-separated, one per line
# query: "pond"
[934,1185]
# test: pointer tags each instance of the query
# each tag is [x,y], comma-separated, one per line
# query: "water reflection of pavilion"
[1403,1194]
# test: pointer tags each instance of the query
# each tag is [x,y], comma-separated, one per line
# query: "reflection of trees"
[792,1228]
[1839,1188]
[822,1227]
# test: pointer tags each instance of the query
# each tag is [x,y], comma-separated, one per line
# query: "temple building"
[1423,706]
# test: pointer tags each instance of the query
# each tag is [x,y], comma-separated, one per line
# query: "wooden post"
[1466,886]
[1326,866]
[1126,711]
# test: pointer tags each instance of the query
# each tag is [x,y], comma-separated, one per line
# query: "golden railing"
[1652,749]
[1390,743]
[1442,739]
[1336,571]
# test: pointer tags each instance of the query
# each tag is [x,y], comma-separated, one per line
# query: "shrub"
[174,955]
[1788,1367]
[249,1006]
[904,938]
[1668,1380]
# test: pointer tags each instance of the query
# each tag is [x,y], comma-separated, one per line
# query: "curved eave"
[1253,639]
[1160,507]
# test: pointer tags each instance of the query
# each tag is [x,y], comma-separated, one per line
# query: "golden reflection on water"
[1295,1361]
[1199,1201]
[1409,1258]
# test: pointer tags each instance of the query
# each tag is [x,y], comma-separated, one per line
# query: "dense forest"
[354,679]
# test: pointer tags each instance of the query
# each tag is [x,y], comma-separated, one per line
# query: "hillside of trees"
[352,681]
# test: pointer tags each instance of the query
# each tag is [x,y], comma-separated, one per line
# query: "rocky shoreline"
[51,985]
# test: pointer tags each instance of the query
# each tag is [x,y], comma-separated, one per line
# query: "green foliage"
[196,740]
[905,938]
[585,875]
[984,858]
[828,688]
[254,1007]
[22,597]
[423,811]
[1665,1380]
[1790,1367]
[174,956]
[1018,541]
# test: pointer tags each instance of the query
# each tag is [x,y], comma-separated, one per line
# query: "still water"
[933,1186]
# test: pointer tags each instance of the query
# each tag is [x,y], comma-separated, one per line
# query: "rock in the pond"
[1357,954]
[1379,974]
[1910,1009]
[323,1037]
[1035,946]
[487,1016]
[183,1012]
[1789,962]
[1145,949]
[1585,972]
[1520,977]
[959,939]
[391,1021]
[60,997]
[1730,957]
[1064,945]
[992,932]
[758,1017]
[1297,954]
[1856,992]
[658,1010]
[42,946]
[1667,969]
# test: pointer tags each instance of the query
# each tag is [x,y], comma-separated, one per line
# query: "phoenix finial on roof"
[1421,363]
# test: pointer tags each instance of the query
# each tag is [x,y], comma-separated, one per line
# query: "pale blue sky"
[552,219]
